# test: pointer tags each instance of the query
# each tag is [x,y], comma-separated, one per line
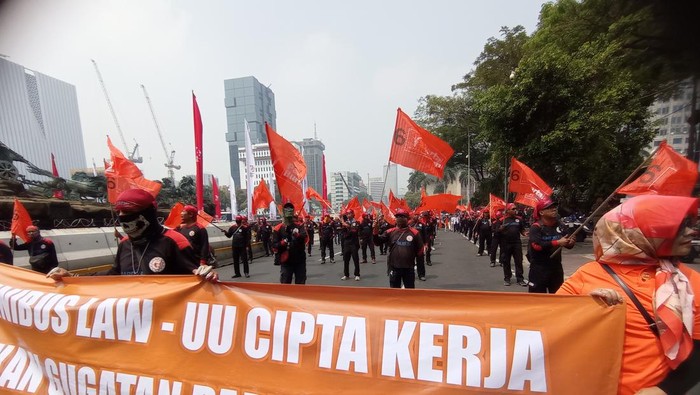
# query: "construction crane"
[170,158]
[131,154]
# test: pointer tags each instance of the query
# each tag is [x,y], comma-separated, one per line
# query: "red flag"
[469,207]
[57,193]
[668,174]
[261,196]
[122,174]
[20,221]
[289,165]
[495,204]
[395,202]
[324,188]
[388,214]
[198,152]
[523,179]
[175,217]
[527,199]
[312,194]
[215,196]
[355,206]
[440,202]
[416,148]
[204,219]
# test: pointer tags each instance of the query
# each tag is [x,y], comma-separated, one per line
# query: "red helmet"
[349,211]
[401,213]
[239,218]
[510,206]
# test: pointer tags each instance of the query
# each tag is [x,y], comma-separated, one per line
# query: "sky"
[342,66]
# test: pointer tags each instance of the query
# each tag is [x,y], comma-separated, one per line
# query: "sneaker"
[374,261]
[422,278]
[235,276]
[247,275]
[506,283]
[357,278]
[479,254]
[522,283]
[323,261]
[344,278]
[332,261]
[493,264]
[364,261]
[429,263]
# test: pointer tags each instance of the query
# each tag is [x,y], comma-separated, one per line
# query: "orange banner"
[177,335]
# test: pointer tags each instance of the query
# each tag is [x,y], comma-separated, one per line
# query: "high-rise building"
[376,184]
[39,116]
[670,117]
[263,166]
[343,186]
[312,150]
[392,180]
[246,99]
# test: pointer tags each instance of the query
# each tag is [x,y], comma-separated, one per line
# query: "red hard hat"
[239,218]
[401,212]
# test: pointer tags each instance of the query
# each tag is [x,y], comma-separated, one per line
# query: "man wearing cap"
[546,236]
[510,231]
[405,249]
[42,251]
[326,231]
[148,247]
[310,227]
[195,233]
[238,233]
[350,244]
[288,242]
[366,238]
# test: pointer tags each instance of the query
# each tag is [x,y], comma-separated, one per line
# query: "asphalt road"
[455,266]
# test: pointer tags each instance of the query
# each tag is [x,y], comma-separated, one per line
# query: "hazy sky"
[345,66]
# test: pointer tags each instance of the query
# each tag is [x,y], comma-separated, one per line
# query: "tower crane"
[170,158]
[131,154]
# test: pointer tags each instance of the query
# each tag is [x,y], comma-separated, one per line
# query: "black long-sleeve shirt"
[198,237]
[40,247]
[405,247]
[543,241]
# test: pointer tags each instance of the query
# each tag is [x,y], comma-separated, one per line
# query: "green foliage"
[412,199]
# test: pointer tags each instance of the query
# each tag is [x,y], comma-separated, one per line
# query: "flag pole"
[388,163]
[607,200]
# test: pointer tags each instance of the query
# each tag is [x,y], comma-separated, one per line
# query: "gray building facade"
[313,156]
[39,116]
[246,99]
[670,118]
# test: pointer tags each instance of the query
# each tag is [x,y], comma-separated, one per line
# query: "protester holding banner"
[639,244]
[546,235]
[5,253]
[238,233]
[42,251]
[350,244]
[510,231]
[288,242]
[405,247]
[195,233]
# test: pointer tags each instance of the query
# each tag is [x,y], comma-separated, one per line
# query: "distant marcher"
[42,251]
[238,233]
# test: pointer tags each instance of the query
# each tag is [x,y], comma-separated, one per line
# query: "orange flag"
[495,204]
[123,174]
[395,203]
[204,219]
[354,205]
[174,218]
[416,148]
[668,174]
[261,196]
[440,202]
[289,165]
[527,199]
[388,214]
[312,194]
[20,221]
[523,179]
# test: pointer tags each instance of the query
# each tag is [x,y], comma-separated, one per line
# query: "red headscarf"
[641,231]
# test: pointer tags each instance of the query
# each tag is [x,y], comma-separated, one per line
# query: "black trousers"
[266,246]
[484,241]
[514,250]
[310,243]
[293,269]
[405,275]
[364,243]
[239,253]
[327,243]
[544,280]
[348,252]
[495,245]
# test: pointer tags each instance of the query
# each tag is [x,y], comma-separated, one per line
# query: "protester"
[366,238]
[350,244]
[148,247]
[326,231]
[383,227]
[310,227]
[239,235]
[5,253]
[484,232]
[639,242]
[249,239]
[195,233]
[496,239]
[42,251]
[265,233]
[421,225]
[405,249]
[510,231]
[546,236]
[288,242]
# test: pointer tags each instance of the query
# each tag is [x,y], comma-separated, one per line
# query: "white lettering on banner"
[263,338]
[64,378]
[462,351]
[34,308]
[23,370]
[123,319]
[221,323]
